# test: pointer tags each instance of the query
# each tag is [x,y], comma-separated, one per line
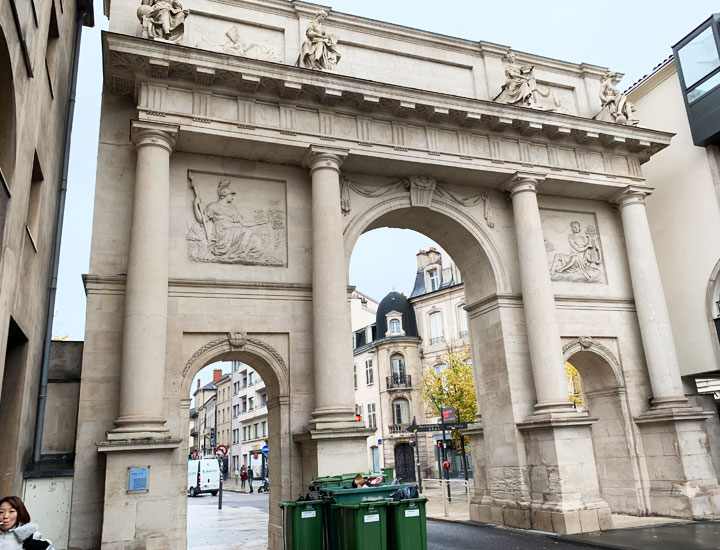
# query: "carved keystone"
[237,339]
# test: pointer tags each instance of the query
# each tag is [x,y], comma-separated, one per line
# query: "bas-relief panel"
[237,38]
[411,72]
[236,220]
[573,247]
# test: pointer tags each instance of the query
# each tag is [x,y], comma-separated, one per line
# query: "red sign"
[221,450]
[255,456]
[446,465]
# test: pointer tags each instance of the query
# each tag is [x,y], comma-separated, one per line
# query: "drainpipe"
[42,397]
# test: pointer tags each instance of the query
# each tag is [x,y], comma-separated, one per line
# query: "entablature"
[216,96]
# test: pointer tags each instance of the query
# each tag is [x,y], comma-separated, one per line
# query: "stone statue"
[223,235]
[319,50]
[164,19]
[615,104]
[583,262]
[520,87]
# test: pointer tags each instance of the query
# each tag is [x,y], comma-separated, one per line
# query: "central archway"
[503,382]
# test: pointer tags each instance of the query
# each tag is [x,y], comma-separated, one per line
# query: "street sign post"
[221,450]
[436,427]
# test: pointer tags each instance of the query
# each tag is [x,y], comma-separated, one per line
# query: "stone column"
[548,364]
[657,337]
[145,323]
[334,398]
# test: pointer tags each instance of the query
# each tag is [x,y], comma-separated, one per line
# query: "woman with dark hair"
[16,531]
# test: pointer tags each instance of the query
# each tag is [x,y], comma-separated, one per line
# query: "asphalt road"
[460,536]
[233,500]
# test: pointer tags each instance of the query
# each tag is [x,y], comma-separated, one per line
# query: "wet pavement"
[697,535]
[242,525]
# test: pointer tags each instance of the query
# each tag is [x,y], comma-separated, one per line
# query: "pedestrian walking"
[250,476]
[16,531]
[243,478]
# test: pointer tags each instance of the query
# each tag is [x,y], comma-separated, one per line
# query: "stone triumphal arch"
[245,145]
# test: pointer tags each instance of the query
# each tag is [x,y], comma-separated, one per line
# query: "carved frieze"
[250,231]
[573,247]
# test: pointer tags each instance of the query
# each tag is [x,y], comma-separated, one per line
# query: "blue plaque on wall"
[138,479]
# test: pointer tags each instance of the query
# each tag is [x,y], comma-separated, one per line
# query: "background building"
[407,337]
[251,421]
[39,48]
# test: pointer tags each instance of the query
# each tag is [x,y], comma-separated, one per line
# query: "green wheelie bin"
[362,525]
[407,526]
[340,495]
[302,524]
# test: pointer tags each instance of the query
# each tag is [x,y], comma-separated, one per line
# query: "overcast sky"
[630,37]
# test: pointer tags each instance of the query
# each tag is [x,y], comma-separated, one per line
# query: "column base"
[334,451]
[564,490]
[332,418]
[138,427]
[682,479]
[145,518]
[521,515]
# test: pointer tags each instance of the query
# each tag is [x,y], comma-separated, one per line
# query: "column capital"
[145,133]
[632,194]
[523,181]
[322,156]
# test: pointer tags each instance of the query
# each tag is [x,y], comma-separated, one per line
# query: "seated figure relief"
[319,51]
[163,19]
[221,234]
[615,104]
[583,261]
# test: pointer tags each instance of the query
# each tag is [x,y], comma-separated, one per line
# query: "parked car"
[203,476]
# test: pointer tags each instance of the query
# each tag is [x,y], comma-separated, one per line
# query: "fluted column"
[548,364]
[334,399]
[657,337]
[145,323]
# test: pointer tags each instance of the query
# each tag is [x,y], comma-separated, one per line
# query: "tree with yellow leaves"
[452,386]
[573,381]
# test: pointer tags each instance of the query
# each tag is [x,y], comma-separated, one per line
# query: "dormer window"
[394,324]
[433,280]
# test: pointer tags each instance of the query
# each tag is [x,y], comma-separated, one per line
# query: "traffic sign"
[436,427]
[265,450]
[221,450]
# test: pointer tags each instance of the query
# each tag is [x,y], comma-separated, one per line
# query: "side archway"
[274,371]
[613,434]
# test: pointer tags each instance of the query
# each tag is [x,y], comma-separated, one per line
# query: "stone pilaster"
[146,289]
[335,442]
[546,357]
[332,353]
[657,337]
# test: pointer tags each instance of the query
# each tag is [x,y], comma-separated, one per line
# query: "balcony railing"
[397,429]
[437,340]
[463,333]
[193,432]
[398,381]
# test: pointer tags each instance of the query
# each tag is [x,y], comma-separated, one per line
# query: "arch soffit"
[233,343]
[401,200]
[586,344]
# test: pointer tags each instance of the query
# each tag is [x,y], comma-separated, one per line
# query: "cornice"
[130,60]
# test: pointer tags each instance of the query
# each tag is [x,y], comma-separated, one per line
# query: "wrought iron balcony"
[398,381]
[398,429]
[193,432]
[463,334]
[437,340]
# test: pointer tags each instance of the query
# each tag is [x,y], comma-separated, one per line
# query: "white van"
[203,476]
